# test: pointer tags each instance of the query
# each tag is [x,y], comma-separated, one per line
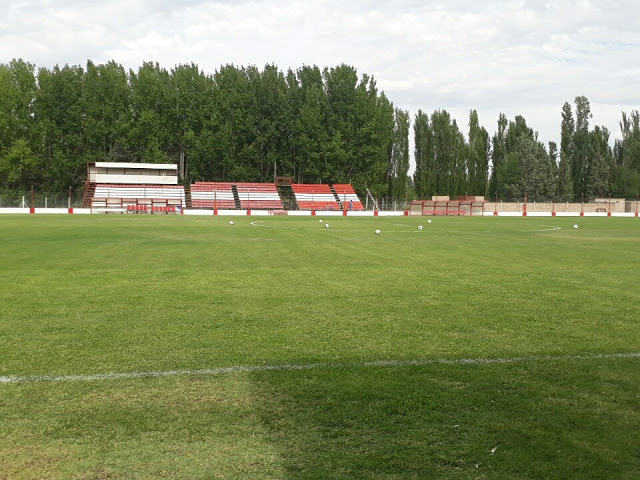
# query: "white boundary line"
[313,366]
[550,228]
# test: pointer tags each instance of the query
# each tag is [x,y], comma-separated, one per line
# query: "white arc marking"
[311,366]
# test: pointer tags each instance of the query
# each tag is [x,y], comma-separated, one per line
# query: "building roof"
[146,166]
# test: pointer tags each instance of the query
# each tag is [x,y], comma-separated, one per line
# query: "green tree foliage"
[627,150]
[600,164]
[580,155]
[551,187]
[424,175]
[522,169]
[20,168]
[399,165]
[59,112]
[106,118]
[17,91]
[565,167]
[478,156]
[20,162]
[586,168]
[240,123]
[151,103]
[317,125]
[498,158]
[625,174]
[441,156]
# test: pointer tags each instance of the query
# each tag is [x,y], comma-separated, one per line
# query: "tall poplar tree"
[479,155]
[498,158]
[581,153]
[399,164]
[565,187]
[424,175]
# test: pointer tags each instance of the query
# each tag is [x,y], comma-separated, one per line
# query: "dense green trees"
[521,166]
[587,166]
[240,123]
[317,125]
[626,169]
[441,155]
[399,165]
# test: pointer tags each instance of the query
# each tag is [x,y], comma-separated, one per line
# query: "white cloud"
[517,57]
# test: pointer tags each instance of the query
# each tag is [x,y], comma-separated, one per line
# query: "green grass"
[98,294]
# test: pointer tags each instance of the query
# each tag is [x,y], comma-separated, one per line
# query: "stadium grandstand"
[146,187]
[258,196]
[216,195]
[347,196]
[117,187]
[311,196]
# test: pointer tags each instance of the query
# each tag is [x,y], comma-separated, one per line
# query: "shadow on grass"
[543,420]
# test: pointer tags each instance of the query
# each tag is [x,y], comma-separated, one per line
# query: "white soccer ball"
[326,225]
[231,222]
[428,221]
[320,221]
[575,226]
[419,227]
[377,232]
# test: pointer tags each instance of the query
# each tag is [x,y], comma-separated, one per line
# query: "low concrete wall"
[52,210]
[503,209]
[14,210]
[615,206]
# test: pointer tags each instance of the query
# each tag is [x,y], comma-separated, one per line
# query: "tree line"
[316,125]
[514,163]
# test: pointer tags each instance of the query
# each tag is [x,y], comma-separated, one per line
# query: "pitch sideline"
[312,366]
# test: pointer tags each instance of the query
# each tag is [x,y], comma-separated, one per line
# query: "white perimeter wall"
[330,213]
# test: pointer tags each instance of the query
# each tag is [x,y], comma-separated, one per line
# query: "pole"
[69,199]
[33,204]
[274,171]
[582,205]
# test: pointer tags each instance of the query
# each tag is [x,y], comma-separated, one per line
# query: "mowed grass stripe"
[313,366]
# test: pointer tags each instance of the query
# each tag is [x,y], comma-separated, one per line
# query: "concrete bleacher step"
[287,197]
[236,197]
[187,196]
[89,193]
[335,194]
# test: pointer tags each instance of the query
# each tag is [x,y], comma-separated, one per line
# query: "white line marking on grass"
[258,224]
[479,233]
[491,233]
[550,229]
[313,366]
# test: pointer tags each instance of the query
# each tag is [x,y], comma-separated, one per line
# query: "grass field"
[309,311]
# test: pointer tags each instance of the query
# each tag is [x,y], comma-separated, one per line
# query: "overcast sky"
[521,57]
